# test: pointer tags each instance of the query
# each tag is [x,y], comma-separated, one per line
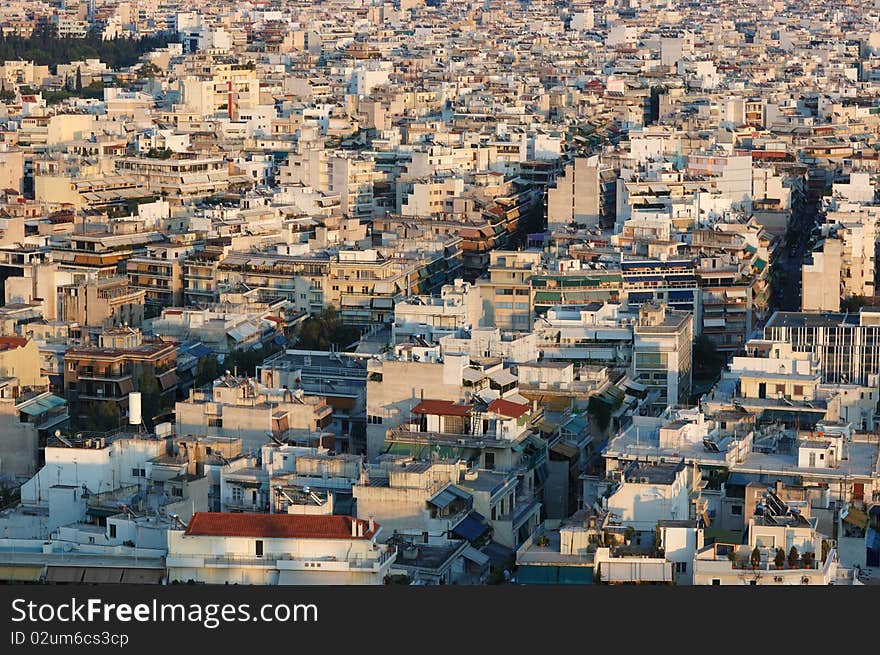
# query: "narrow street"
[790,256]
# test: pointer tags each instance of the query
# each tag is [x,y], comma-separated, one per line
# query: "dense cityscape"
[439,292]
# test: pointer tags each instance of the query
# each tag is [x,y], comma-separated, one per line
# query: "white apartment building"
[278,549]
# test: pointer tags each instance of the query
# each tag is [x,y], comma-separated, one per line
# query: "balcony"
[103,375]
[285,561]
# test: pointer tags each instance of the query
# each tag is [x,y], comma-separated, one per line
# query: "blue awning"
[470,528]
[197,350]
[681,295]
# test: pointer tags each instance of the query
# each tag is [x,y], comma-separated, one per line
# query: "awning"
[65,574]
[242,332]
[142,576]
[20,573]
[443,499]
[470,528]
[167,379]
[103,575]
[564,449]
[475,556]
[42,405]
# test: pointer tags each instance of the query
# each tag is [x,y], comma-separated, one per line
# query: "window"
[716,582]
[489,460]
[236,494]
[138,473]
[112,527]
[736,510]
[177,492]
[681,567]
[215,422]
[375,420]
[798,390]
[753,583]
[258,547]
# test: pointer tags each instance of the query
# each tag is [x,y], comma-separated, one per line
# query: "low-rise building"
[278,549]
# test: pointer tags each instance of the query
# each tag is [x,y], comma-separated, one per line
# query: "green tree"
[102,416]
[708,362]
[207,370]
[327,329]
[151,399]
[79,79]
[600,411]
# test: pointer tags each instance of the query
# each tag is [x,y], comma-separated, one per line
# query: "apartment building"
[662,341]
[506,293]
[180,179]
[844,344]
[159,274]
[577,197]
[278,549]
[103,302]
[244,409]
[108,373]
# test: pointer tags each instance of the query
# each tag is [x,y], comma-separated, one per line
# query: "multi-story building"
[506,293]
[847,346]
[102,302]
[121,363]
[159,274]
[245,409]
[662,344]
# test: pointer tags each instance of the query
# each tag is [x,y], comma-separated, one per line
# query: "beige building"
[821,278]
[577,196]
[22,73]
[245,409]
[20,359]
[102,302]
[394,387]
[413,498]
[506,294]
[11,169]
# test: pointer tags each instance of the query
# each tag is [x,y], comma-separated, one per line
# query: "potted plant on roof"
[734,560]
[793,558]
[755,558]
[809,559]
[779,560]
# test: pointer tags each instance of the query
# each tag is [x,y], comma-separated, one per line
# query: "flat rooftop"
[862,463]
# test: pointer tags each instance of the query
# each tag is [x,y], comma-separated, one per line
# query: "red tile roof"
[507,408]
[441,408]
[280,526]
[8,343]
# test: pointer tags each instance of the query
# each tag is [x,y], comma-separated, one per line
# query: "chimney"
[779,488]
[354,527]
[372,525]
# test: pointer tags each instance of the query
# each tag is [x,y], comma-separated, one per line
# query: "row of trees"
[45,48]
